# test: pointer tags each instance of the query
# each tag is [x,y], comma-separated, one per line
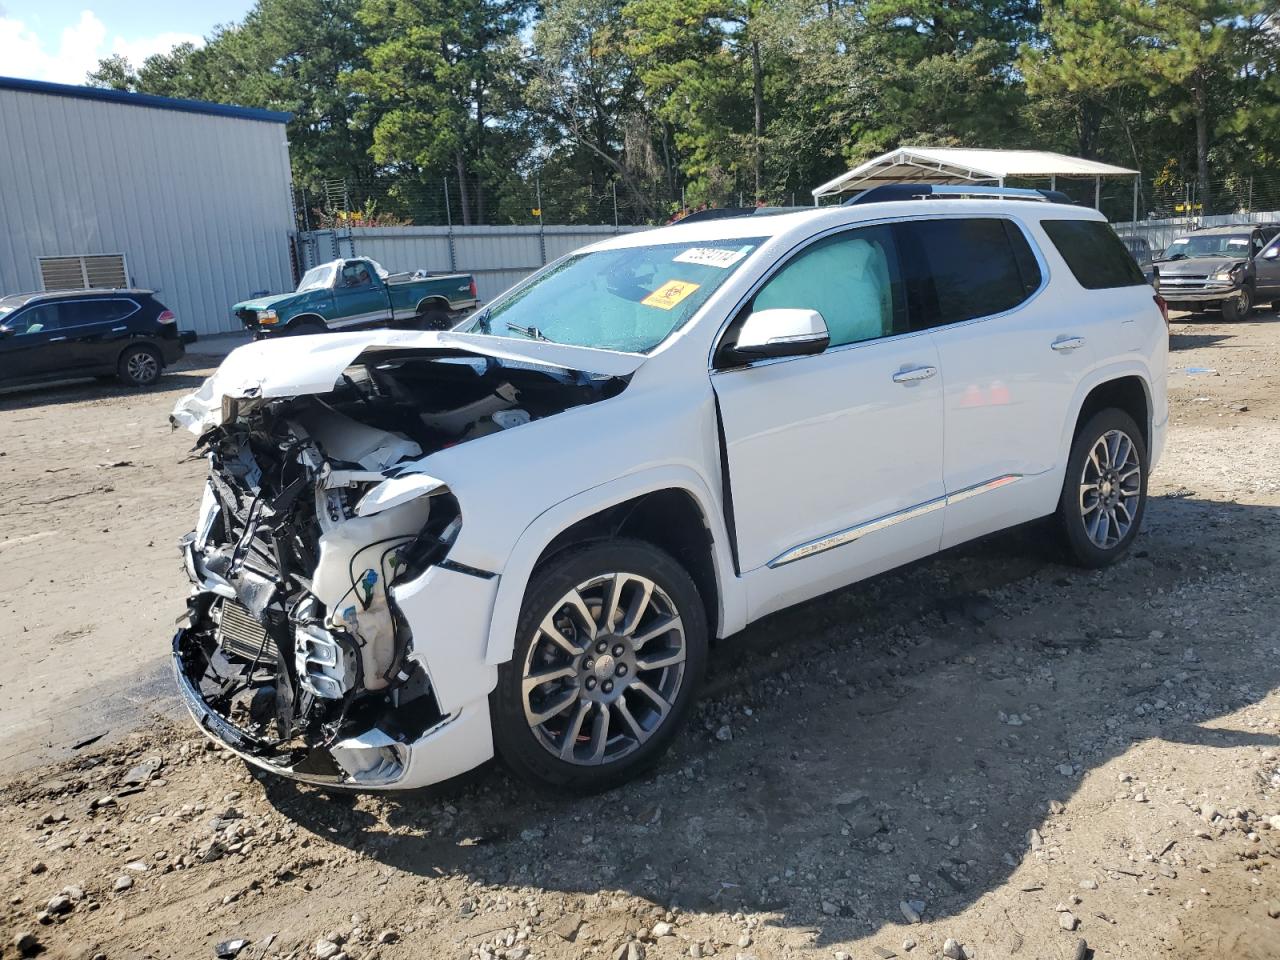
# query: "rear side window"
[962,269]
[1095,255]
[78,313]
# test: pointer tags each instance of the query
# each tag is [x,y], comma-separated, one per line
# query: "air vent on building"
[83,272]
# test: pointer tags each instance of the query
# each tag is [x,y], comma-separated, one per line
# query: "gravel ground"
[986,755]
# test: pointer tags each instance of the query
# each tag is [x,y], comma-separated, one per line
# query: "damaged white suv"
[416,548]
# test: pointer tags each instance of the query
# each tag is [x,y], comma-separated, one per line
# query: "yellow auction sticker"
[669,294]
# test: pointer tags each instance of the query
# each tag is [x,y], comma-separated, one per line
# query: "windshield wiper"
[533,333]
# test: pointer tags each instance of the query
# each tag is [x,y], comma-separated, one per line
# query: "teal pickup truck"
[358,292]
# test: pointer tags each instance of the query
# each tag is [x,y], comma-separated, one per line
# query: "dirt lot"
[990,747]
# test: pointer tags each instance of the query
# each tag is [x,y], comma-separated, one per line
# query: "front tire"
[139,366]
[1238,307]
[609,654]
[1104,494]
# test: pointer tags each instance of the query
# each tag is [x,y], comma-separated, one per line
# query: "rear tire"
[619,675]
[434,318]
[1238,307]
[1104,493]
[140,366]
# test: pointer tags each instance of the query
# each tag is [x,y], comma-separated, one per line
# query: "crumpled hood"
[1197,266]
[298,366]
[261,303]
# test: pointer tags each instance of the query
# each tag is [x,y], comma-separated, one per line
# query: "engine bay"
[314,513]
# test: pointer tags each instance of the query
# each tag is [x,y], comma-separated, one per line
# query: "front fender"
[548,525]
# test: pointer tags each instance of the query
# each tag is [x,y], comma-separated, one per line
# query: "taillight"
[1163,304]
[166,316]
[474,294]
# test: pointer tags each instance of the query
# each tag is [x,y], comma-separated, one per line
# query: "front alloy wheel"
[611,650]
[1239,306]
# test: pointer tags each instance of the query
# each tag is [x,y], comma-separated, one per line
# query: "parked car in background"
[1231,268]
[523,533]
[1141,252]
[60,335]
[358,292]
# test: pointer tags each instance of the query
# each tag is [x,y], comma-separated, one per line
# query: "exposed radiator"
[242,636]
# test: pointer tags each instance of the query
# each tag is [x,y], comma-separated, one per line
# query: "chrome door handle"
[914,374]
[56,339]
[1067,344]
[118,329]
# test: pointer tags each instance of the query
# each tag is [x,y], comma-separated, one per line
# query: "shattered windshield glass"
[317,278]
[628,299]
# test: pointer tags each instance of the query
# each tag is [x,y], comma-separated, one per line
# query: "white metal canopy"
[961,165]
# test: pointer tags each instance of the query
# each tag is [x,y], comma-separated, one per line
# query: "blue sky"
[61,40]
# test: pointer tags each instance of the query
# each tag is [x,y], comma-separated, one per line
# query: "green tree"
[441,77]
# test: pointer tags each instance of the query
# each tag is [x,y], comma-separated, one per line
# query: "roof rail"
[890,192]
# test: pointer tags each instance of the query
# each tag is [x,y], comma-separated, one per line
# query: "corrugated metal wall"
[497,256]
[200,205]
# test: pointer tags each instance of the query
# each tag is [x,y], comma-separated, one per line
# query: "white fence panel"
[498,257]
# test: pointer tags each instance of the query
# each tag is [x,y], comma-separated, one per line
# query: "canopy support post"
[1097,193]
[1135,197]
[1053,181]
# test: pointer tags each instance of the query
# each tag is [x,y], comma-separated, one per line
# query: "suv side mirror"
[1271,253]
[780,332]
[5,331]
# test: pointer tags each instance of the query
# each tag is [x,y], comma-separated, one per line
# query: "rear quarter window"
[1094,254]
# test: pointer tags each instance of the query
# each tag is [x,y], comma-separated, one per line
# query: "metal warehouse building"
[100,188]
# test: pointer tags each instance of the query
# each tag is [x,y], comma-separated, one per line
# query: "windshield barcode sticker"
[712,256]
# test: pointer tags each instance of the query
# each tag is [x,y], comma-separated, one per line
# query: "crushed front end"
[327,637]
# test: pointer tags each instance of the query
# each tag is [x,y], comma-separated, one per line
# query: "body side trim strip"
[850,534]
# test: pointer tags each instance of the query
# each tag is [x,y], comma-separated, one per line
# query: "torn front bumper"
[449,612]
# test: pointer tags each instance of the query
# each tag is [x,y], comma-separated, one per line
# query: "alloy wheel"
[1110,487]
[604,669]
[142,367]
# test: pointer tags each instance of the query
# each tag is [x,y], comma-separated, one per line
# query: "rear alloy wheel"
[611,650]
[1239,306]
[139,366]
[1104,495]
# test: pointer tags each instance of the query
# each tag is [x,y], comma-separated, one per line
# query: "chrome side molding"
[850,534]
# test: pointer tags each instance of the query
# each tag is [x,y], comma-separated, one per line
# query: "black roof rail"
[891,192]
[720,213]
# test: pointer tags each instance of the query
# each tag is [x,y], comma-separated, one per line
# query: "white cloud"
[77,50]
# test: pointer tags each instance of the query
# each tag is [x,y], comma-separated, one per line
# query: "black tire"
[302,328]
[529,751]
[1079,534]
[1238,307]
[139,366]
[433,318]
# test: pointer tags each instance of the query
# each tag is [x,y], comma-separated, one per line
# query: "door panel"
[1267,274]
[819,445]
[36,347]
[359,295]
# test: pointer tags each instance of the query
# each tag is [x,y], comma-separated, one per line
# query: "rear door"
[1010,359]
[96,329]
[359,295]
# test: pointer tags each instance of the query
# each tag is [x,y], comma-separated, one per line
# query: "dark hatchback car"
[60,335]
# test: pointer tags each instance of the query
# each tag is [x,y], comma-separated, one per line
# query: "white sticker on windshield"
[712,256]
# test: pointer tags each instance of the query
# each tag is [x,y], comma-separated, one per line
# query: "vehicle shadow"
[1189,341]
[80,391]
[917,724]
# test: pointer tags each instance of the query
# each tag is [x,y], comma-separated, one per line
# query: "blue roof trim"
[143,100]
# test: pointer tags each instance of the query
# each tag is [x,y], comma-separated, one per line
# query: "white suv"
[523,534]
